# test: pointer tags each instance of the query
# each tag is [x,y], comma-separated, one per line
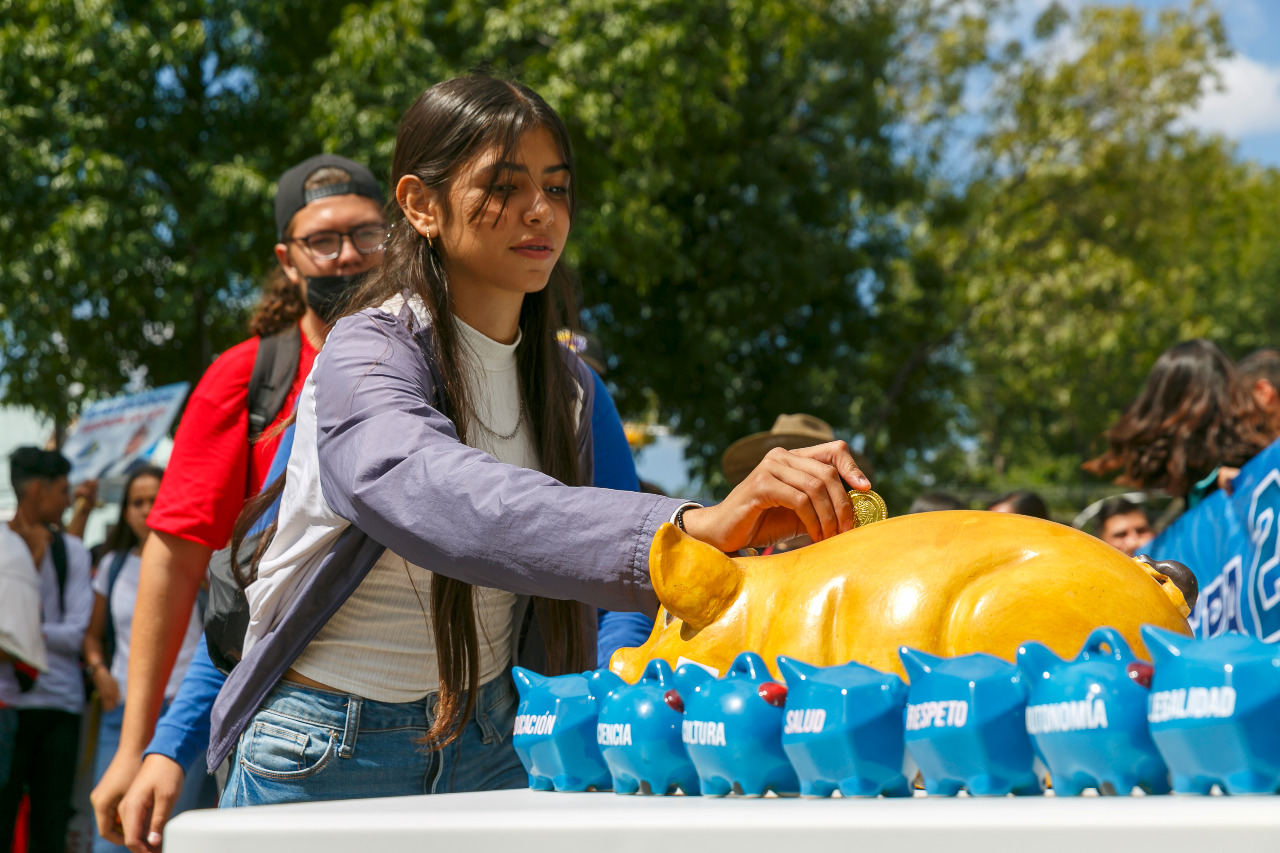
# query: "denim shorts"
[306,744]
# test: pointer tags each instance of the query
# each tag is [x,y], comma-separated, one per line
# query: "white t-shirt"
[123,598]
[380,643]
[20,634]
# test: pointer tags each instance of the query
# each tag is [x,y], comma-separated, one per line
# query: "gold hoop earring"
[429,243]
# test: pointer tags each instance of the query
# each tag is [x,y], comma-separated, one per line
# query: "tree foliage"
[138,143]
[786,206]
[1099,230]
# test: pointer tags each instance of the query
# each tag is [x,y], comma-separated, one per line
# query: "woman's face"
[509,249]
[142,494]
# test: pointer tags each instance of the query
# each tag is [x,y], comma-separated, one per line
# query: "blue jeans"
[199,791]
[307,744]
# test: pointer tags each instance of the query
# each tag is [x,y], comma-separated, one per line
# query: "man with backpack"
[42,764]
[329,224]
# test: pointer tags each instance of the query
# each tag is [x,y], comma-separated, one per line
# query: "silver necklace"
[499,436]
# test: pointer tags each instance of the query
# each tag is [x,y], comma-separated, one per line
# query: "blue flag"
[1230,542]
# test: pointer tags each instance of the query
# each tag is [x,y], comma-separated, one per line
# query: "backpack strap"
[58,550]
[118,560]
[274,370]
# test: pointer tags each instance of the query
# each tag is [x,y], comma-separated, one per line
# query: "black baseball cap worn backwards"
[291,197]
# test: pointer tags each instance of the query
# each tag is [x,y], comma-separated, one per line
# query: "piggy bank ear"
[1036,661]
[688,676]
[750,666]
[794,671]
[602,683]
[525,680]
[693,580]
[1163,645]
[658,673]
[916,662]
[1105,644]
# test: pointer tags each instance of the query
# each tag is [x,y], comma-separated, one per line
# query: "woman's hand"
[145,809]
[106,795]
[789,493]
[108,688]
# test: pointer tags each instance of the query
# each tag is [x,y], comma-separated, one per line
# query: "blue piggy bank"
[842,729]
[964,724]
[1087,718]
[1213,711]
[639,733]
[732,729]
[555,733]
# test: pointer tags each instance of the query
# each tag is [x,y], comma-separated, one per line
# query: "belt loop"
[348,746]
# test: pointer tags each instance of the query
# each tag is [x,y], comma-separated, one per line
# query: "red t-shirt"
[212,470]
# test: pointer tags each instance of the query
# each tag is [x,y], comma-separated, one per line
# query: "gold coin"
[868,507]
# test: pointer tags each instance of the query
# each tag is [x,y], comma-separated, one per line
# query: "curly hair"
[282,303]
[1191,417]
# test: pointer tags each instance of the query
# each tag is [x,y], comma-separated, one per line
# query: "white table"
[531,821]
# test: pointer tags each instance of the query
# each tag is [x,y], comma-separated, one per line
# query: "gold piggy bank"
[948,583]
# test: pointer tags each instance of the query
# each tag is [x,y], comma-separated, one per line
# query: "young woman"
[1189,430]
[433,528]
[106,642]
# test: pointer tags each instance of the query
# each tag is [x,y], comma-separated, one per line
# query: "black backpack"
[226,613]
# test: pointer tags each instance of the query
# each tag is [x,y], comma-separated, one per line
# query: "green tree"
[138,146]
[1098,230]
[742,187]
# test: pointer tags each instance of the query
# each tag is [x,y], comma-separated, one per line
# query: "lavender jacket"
[376,464]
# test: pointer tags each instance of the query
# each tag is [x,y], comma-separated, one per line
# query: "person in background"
[22,651]
[614,468]
[1125,525]
[1192,426]
[47,741]
[328,216]
[1021,502]
[106,642]
[935,502]
[1259,372]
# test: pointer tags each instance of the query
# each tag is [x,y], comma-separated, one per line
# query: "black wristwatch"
[677,517]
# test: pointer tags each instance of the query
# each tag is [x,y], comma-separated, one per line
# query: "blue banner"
[1230,542]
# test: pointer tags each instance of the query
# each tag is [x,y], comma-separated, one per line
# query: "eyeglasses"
[327,245]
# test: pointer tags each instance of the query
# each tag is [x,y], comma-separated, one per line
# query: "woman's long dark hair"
[1191,417]
[447,128]
[122,538]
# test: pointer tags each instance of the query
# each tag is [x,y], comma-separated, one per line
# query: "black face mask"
[327,294]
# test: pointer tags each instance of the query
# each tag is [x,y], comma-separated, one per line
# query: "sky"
[1247,110]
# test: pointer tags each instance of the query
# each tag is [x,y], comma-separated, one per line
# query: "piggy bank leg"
[687,783]
[942,787]
[1184,784]
[716,786]
[1118,786]
[1027,787]
[1249,782]
[816,788]
[1071,785]
[860,786]
[899,787]
[624,784]
[987,785]
[571,784]
[1152,775]
[1156,784]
